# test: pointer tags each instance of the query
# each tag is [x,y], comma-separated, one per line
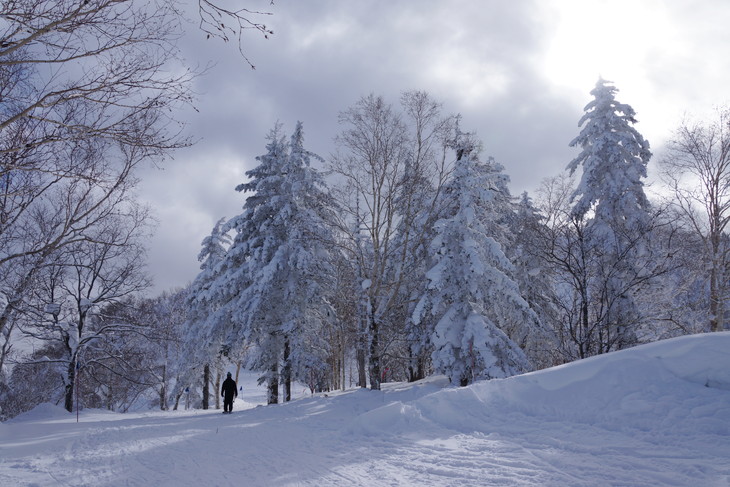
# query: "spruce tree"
[613,156]
[613,211]
[270,287]
[471,290]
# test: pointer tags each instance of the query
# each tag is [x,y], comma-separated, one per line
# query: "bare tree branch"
[225,24]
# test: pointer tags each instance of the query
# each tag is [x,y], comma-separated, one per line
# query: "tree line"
[403,255]
[413,258]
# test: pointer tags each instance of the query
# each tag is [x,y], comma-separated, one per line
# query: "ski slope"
[656,415]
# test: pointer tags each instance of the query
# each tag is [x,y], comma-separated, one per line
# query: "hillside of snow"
[655,415]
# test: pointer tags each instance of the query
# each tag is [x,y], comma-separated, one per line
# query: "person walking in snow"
[228,391]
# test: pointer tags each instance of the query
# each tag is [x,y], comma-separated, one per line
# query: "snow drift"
[653,415]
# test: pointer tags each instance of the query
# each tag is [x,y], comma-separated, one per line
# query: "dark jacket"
[229,389]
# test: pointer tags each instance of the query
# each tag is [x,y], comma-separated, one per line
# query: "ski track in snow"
[643,417]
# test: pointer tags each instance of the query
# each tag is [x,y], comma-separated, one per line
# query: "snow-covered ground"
[656,415]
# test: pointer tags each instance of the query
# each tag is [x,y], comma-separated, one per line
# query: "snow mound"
[647,387]
[653,415]
[701,359]
[41,412]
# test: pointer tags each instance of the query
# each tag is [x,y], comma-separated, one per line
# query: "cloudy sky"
[519,72]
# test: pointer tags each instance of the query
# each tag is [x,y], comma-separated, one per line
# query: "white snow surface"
[655,415]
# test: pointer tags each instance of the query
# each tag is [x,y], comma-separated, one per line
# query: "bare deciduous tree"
[63,215]
[384,157]
[87,93]
[697,169]
[91,69]
[582,291]
[225,24]
[107,268]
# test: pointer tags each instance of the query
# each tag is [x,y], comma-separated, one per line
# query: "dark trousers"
[228,403]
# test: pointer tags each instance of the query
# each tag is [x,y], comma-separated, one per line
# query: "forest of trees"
[401,255]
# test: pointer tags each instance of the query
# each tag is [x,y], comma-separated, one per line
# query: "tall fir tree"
[611,203]
[212,253]
[254,315]
[305,269]
[613,156]
[270,288]
[481,315]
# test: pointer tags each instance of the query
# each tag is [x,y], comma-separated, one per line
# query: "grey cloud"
[481,59]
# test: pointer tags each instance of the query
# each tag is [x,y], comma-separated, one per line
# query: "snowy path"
[652,416]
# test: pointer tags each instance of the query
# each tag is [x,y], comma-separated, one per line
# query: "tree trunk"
[177,400]
[109,393]
[287,371]
[217,389]
[585,340]
[417,366]
[68,402]
[273,397]
[163,397]
[5,348]
[343,377]
[362,342]
[362,380]
[206,385]
[716,310]
[163,389]
[374,355]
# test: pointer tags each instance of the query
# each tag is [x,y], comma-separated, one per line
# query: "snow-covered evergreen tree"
[212,253]
[200,342]
[481,314]
[526,227]
[269,287]
[214,247]
[613,156]
[306,273]
[610,199]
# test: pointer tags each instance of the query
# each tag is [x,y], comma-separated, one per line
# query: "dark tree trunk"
[109,393]
[163,389]
[417,367]
[584,347]
[177,400]
[362,339]
[217,389]
[68,402]
[163,398]
[374,356]
[287,371]
[274,384]
[362,380]
[206,385]
[715,297]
